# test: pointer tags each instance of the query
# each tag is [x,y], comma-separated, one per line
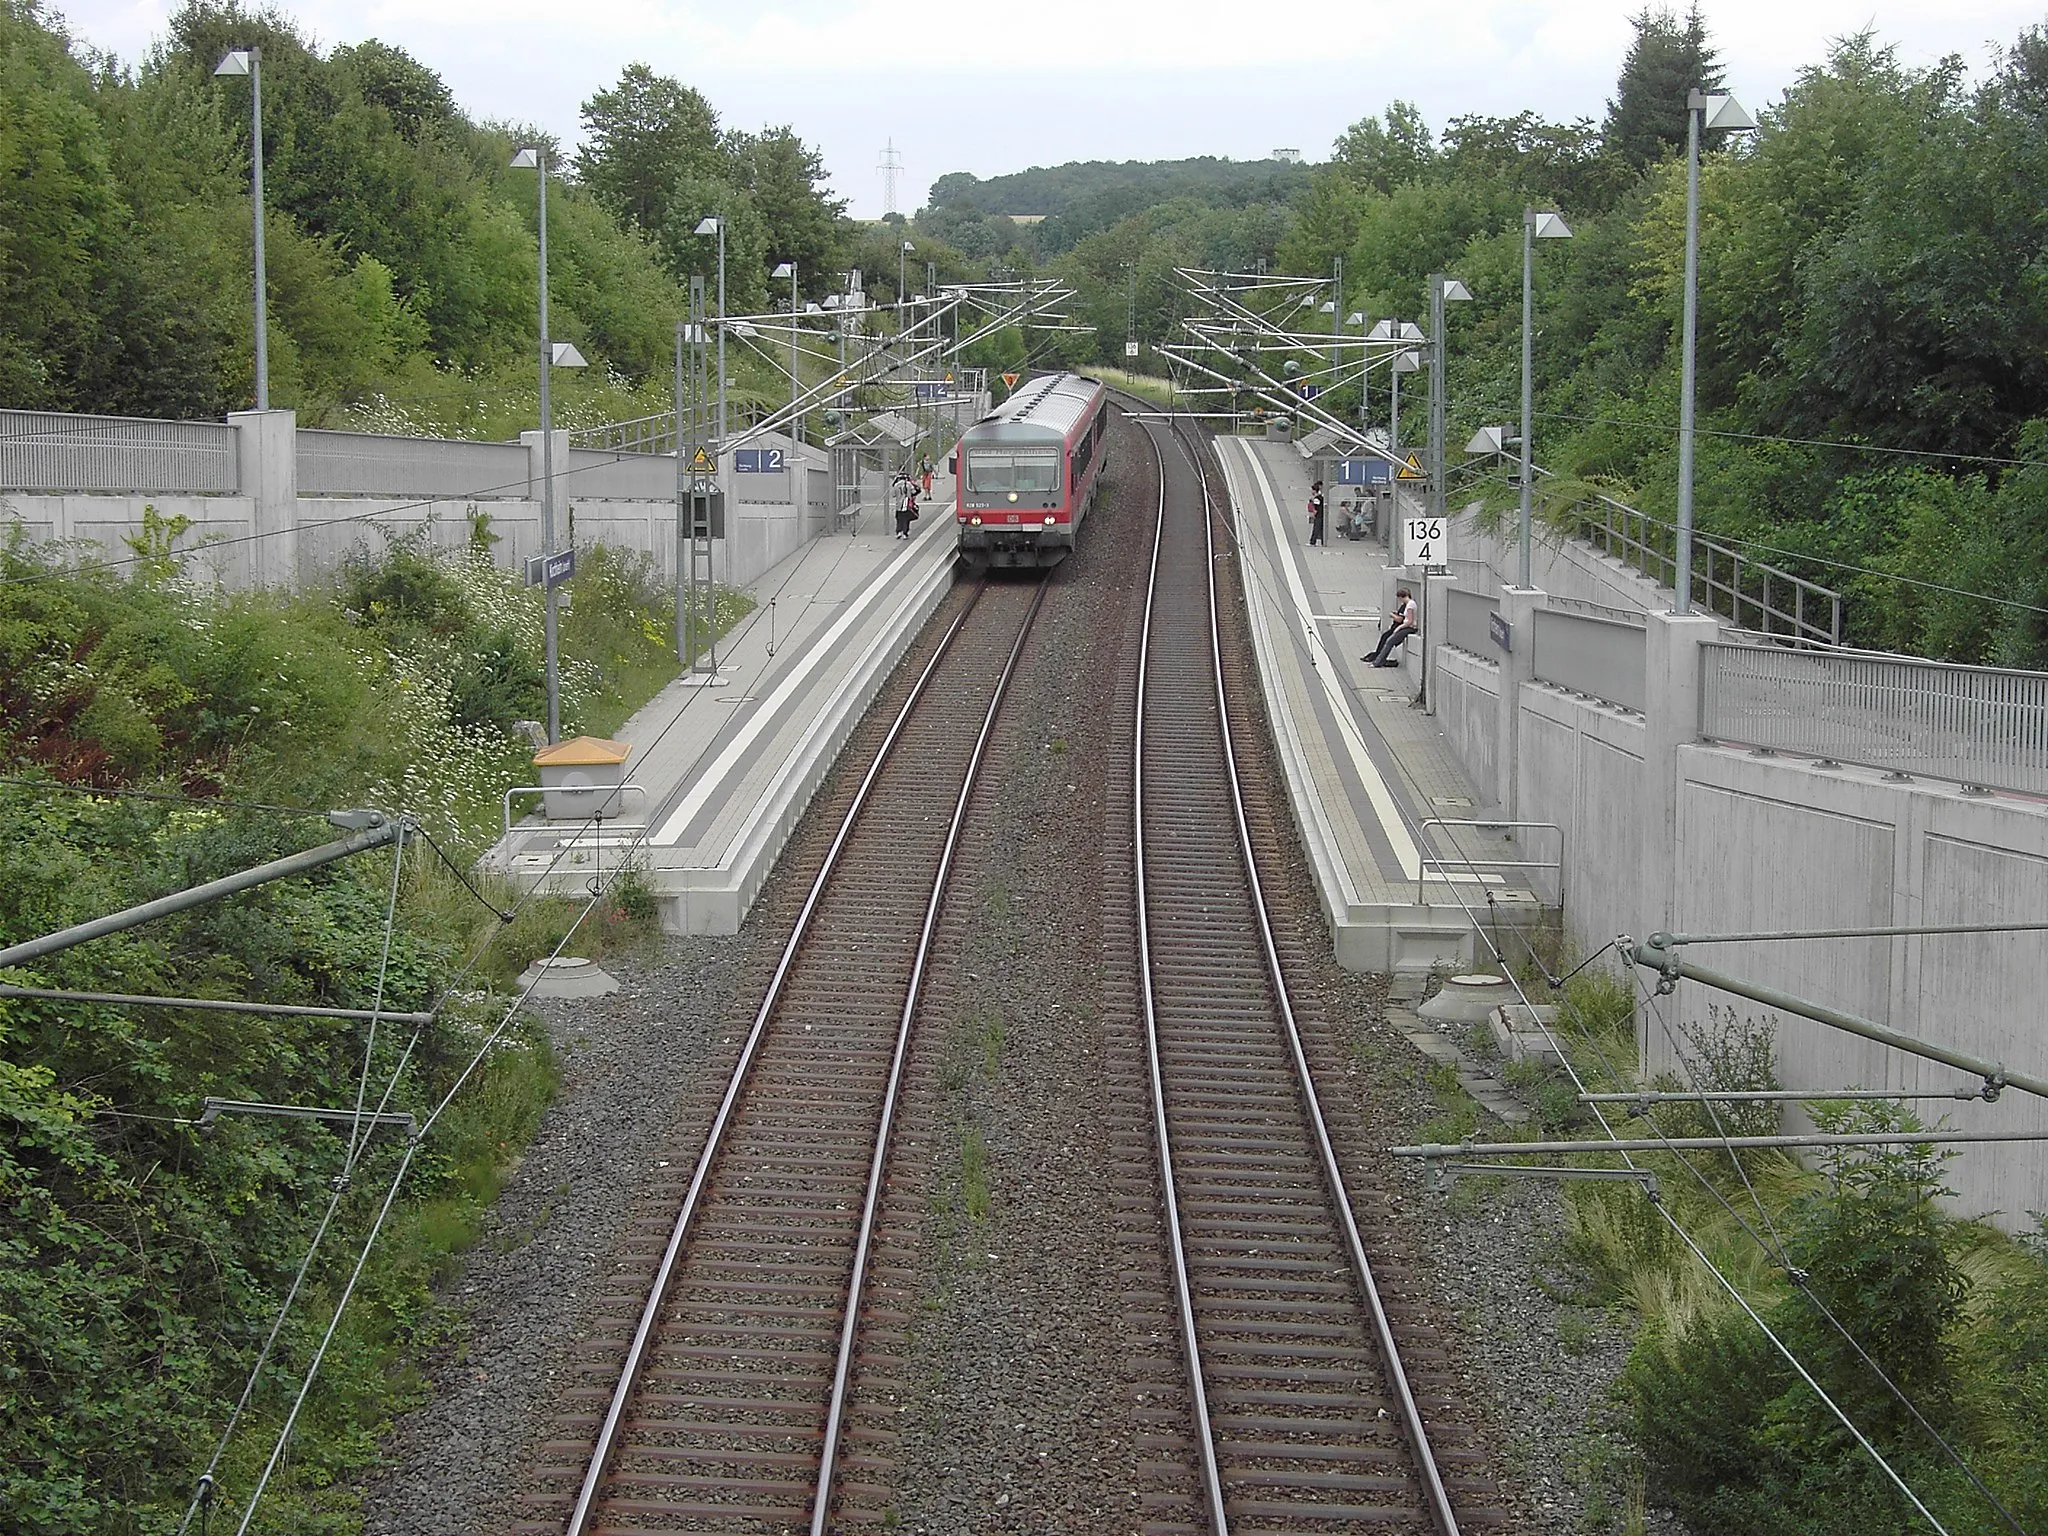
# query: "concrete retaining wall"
[268,534]
[1662,831]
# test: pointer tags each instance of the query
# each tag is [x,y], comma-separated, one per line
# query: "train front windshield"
[997,471]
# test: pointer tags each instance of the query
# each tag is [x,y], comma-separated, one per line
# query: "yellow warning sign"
[1412,470]
[1010,380]
[702,460]
[949,378]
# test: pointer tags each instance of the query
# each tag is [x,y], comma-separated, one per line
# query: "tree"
[1326,222]
[786,179]
[1385,152]
[1646,118]
[1558,162]
[644,135]
[414,97]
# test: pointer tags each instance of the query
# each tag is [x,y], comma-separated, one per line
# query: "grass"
[964,1202]
[1640,1270]
[974,1191]
[1457,1111]
[1145,385]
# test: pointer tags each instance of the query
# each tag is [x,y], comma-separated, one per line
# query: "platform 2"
[1368,770]
[724,771]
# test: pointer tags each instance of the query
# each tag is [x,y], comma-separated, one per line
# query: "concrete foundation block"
[1519,1031]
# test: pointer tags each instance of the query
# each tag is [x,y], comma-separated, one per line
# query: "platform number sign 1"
[1424,542]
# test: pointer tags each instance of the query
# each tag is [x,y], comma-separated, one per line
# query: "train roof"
[1051,405]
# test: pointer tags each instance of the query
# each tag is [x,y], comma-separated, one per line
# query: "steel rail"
[843,1371]
[1437,1495]
[650,1314]
[1205,1439]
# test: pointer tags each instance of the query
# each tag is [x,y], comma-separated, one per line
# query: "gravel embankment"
[451,1465]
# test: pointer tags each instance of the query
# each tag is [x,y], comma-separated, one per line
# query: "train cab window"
[994,471]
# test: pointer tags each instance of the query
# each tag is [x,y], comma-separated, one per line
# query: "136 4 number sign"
[1424,542]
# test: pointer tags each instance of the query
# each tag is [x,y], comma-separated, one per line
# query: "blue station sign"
[551,570]
[1364,472]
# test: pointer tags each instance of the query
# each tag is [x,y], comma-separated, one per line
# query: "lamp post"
[1442,290]
[903,252]
[553,354]
[1403,361]
[788,269]
[249,61]
[1724,114]
[1334,307]
[1357,318]
[714,225]
[1535,226]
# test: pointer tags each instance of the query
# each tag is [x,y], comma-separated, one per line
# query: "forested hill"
[1050,189]
[1086,197]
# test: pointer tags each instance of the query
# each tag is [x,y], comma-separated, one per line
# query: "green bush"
[402,590]
[495,683]
[1740,1445]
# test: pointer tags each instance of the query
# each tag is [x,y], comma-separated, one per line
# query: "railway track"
[728,1410]
[1302,1415]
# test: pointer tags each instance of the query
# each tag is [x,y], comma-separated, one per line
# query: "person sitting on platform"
[1401,623]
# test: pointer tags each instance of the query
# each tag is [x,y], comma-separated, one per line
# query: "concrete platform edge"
[1363,937]
[716,900]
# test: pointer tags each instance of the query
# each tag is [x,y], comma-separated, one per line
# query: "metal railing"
[642,434]
[1749,593]
[1634,616]
[373,464]
[1602,658]
[55,451]
[1981,726]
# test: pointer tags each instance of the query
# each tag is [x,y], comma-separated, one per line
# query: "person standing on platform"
[1400,625]
[906,512]
[1315,513]
[929,469]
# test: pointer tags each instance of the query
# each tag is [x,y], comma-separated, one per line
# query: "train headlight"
[1013,495]
[974,521]
[1050,519]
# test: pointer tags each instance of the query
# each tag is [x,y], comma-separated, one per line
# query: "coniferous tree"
[1646,119]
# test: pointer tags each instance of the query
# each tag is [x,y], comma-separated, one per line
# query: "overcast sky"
[966,86]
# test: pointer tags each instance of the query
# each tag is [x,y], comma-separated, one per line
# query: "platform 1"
[1368,769]
[722,772]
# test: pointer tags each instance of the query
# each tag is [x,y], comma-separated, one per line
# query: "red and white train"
[1028,472]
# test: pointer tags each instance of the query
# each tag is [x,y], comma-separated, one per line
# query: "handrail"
[1642,540]
[607,790]
[1429,857]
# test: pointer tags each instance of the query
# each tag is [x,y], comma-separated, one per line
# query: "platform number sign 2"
[1424,543]
[760,461]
